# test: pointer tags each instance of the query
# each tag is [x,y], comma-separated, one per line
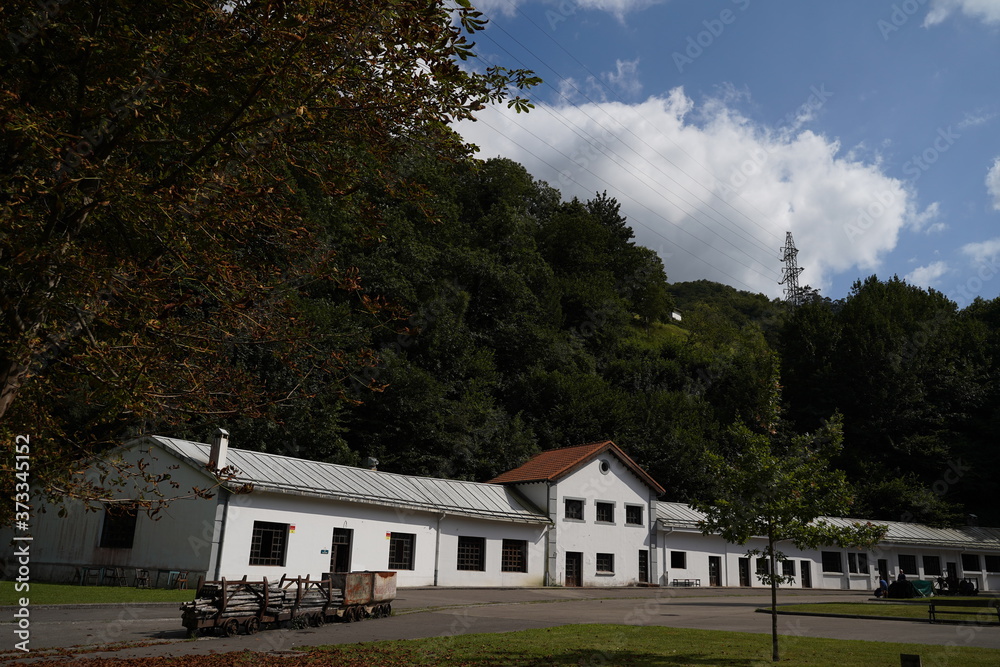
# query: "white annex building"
[577,516]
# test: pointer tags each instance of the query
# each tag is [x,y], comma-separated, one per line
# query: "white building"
[922,552]
[578,516]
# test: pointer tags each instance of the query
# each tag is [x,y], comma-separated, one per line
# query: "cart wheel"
[252,626]
[381,611]
[317,620]
[230,627]
[387,609]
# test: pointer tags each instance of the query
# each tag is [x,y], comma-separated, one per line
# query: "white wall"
[315,518]
[179,540]
[618,486]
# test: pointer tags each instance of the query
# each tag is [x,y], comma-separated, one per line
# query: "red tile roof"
[554,464]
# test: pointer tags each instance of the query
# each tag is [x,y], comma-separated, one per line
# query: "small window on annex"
[992,563]
[606,512]
[857,563]
[401,551]
[633,515]
[605,563]
[472,553]
[763,566]
[514,557]
[678,560]
[932,566]
[908,564]
[832,562]
[268,542]
[970,562]
[118,531]
[788,568]
[574,508]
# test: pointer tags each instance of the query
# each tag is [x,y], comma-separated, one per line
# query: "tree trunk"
[11,374]
[774,599]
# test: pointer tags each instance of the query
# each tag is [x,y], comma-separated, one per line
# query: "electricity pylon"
[790,274]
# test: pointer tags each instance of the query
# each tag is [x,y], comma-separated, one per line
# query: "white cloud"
[926,220]
[711,190]
[982,252]
[626,79]
[988,11]
[927,276]
[993,183]
[563,10]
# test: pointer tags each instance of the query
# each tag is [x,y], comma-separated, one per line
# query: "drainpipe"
[220,533]
[667,530]
[545,544]
[437,548]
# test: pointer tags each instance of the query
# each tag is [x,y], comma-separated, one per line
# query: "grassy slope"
[66,594]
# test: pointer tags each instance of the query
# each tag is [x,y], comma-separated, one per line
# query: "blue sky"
[867,128]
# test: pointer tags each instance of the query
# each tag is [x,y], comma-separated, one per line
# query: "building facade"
[577,516]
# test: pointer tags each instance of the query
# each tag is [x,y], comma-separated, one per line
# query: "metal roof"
[284,474]
[681,516]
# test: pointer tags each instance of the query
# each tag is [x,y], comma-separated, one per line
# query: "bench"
[934,608]
[686,582]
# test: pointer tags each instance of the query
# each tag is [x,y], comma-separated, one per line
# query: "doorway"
[883,569]
[340,550]
[807,579]
[574,568]
[744,572]
[714,571]
[643,566]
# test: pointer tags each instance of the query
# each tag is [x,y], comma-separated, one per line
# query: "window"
[267,544]
[832,562]
[118,531]
[605,563]
[763,566]
[401,551]
[574,509]
[932,566]
[970,562]
[606,512]
[908,564]
[633,515]
[788,568]
[992,563]
[514,557]
[472,553]
[678,560]
[857,563]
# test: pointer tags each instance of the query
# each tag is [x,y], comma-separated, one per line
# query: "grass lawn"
[639,645]
[67,594]
[916,609]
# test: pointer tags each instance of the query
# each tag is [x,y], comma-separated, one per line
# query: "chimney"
[371,463]
[220,448]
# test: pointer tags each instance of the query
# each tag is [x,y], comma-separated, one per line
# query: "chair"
[116,576]
[182,580]
[141,578]
[91,575]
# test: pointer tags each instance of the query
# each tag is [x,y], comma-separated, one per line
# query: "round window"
[605,467]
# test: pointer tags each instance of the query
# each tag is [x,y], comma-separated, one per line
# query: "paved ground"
[437,612]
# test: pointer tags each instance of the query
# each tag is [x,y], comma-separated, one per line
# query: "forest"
[335,279]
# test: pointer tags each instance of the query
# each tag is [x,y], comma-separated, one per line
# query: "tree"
[781,492]
[159,175]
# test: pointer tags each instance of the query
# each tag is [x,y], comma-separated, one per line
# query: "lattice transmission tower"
[790,274]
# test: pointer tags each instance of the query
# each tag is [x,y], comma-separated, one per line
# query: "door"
[714,571]
[744,572]
[340,550]
[952,570]
[807,581]
[883,569]
[643,566]
[574,568]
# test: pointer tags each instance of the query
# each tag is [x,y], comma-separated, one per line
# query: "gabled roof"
[684,517]
[555,464]
[284,474]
